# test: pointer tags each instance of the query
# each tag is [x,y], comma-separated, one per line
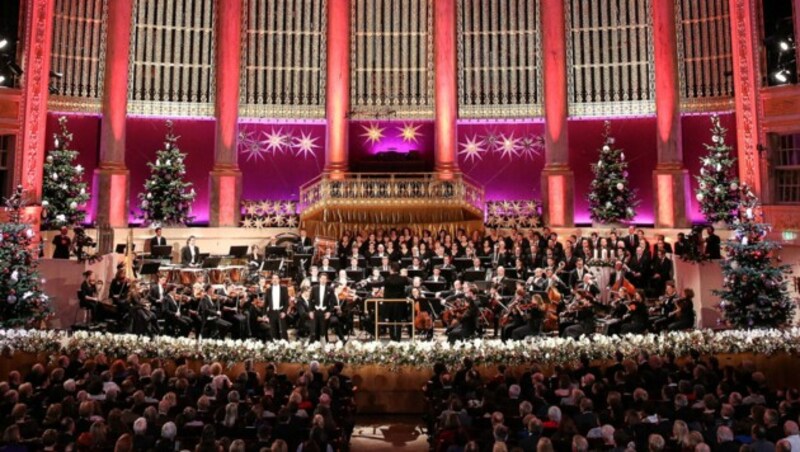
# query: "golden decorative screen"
[283,59]
[172,68]
[79,32]
[498,59]
[391,59]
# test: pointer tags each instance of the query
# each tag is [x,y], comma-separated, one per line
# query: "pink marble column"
[226,178]
[338,88]
[745,45]
[670,178]
[445,87]
[112,178]
[557,177]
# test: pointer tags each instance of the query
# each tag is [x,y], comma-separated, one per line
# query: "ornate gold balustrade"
[372,200]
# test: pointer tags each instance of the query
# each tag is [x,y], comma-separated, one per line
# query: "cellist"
[423,313]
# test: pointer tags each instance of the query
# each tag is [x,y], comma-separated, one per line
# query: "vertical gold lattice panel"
[498,59]
[79,32]
[283,59]
[391,59]
[172,65]
[610,51]
[706,55]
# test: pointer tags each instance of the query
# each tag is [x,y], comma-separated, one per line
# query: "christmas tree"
[718,188]
[611,200]
[755,291]
[22,302]
[167,198]
[64,192]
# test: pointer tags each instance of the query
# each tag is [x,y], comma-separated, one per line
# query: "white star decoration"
[410,132]
[471,149]
[373,132]
[530,146]
[250,146]
[276,141]
[508,146]
[305,145]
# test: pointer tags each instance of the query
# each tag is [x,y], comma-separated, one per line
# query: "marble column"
[670,178]
[112,178]
[445,87]
[338,88]
[557,177]
[226,178]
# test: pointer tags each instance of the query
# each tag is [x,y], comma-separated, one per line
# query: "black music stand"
[272,265]
[437,286]
[238,252]
[161,251]
[123,248]
[462,262]
[355,275]
[375,261]
[149,268]
[333,262]
[473,275]
[416,273]
[211,262]
[437,261]
[511,273]
[448,274]
[275,251]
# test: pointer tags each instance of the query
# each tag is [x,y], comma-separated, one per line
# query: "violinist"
[580,315]
[210,313]
[276,301]
[118,294]
[635,321]
[661,313]
[534,317]
[233,309]
[254,258]
[142,320]
[158,290]
[467,322]
[500,281]
[683,317]
[171,310]
[513,318]
[588,287]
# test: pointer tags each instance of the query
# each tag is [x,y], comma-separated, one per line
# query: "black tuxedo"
[208,312]
[63,244]
[187,258]
[322,301]
[143,321]
[394,288]
[277,325]
[171,311]
[576,276]
[662,268]
[631,243]
[157,241]
[640,265]
[156,293]
[713,247]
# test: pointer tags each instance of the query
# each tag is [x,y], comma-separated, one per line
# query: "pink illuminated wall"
[391,138]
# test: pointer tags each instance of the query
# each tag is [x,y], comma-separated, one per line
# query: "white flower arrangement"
[543,350]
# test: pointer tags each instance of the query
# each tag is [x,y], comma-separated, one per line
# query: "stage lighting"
[782,76]
[785,45]
[2,79]
[3,43]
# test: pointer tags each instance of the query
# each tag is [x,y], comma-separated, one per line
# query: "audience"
[93,404]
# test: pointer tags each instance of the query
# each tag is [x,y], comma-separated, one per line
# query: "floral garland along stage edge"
[547,351]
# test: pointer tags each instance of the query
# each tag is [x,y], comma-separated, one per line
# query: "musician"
[354,266]
[436,276]
[326,266]
[395,288]
[385,264]
[681,245]
[118,292]
[171,311]
[255,258]
[553,281]
[447,263]
[537,282]
[661,272]
[576,275]
[582,323]
[158,290]
[635,321]
[588,287]
[305,241]
[534,316]
[416,265]
[302,307]
[276,302]
[467,323]
[513,318]
[354,254]
[62,244]
[426,311]
[313,277]
[89,294]
[620,273]
[142,320]
[661,313]
[190,254]
[323,300]
[476,265]
[683,317]
[570,261]
[210,313]
[158,239]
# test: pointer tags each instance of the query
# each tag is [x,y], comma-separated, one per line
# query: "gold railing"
[369,187]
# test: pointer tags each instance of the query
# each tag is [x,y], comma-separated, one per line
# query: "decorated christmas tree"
[22,302]
[718,188]
[611,200]
[167,198]
[64,193]
[755,292]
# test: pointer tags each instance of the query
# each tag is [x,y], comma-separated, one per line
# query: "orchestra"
[506,284]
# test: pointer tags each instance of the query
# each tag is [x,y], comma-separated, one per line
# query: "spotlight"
[784,45]
[781,76]
[2,79]
[3,43]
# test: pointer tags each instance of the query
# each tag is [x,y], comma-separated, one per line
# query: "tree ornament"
[700,197]
[620,186]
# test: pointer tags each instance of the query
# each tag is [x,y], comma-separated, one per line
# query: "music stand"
[331,275]
[149,268]
[375,261]
[272,264]
[486,261]
[123,248]
[162,251]
[511,273]
[416,273]
[448,274]
[211,262]
[462,262]
[305,258]
[275,251]
[405,262]
[238,251]
[437,286]
[355,275]
[472,275]
[437,261]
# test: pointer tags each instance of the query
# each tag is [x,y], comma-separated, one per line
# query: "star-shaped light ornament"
[291,221]
[373,132]
[250,146]
[410,132]
[259,223]
[247,223]
[305,145]
[291,207]
[250,208]
[530,146]
[279,220]
[472,149]
[265,207]
[275,141]
[508,146]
